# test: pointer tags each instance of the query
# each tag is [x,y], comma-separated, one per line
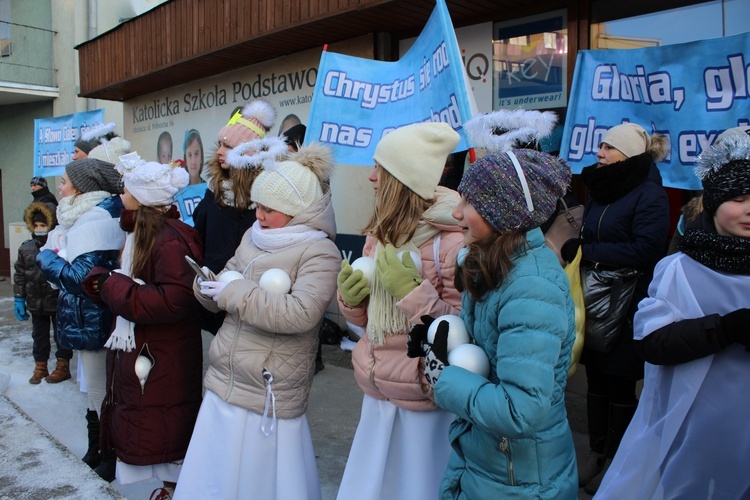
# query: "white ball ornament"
[143,366]
[366,265]
[275,280]
[414,256]
[228,276]
[470,357]
[457,333]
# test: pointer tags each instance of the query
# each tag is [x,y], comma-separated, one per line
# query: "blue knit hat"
[516,189]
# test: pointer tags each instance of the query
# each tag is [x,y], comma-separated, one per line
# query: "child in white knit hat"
[400,449]
[275,291]
[157,325]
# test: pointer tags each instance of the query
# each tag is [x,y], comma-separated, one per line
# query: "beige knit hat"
[294,185]
[416,155]
[629,138]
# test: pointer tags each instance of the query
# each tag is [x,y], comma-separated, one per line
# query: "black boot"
[92,457]
[597,410]
[319,357]
[106,468]
[619,419]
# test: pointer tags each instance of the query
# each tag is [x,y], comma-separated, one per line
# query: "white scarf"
[72,207]
[123,336]
[270,240]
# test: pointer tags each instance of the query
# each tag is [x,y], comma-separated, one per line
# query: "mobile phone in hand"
[197,268]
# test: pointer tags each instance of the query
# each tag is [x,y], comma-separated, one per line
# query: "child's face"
[269,218]
[66,187]
[732,218]
[165,152]
[40,226]
[472,224]
[129,200]
[193,158]
[375,178]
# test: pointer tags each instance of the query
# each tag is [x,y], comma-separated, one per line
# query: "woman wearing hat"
[400,448]
[263,357]
[511,437]
[625,224]
[88,235]
[224,213]
[689,437]
[148,417]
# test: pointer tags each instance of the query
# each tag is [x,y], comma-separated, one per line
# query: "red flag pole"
[472,155]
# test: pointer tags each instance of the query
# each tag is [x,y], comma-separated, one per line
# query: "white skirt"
[127,473]
[396,453]
[230,457]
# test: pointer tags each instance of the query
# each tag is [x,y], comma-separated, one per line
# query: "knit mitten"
[398,277]
[353,286]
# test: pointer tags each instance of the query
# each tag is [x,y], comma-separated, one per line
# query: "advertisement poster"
[54,140]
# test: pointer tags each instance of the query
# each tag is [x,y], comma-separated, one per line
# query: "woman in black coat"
[626,224]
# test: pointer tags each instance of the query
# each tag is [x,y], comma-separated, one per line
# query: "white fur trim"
[269,149]
[522,126]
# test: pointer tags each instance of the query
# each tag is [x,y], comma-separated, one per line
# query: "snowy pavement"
[43,427]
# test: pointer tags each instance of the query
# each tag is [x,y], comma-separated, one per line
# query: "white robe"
[690,436]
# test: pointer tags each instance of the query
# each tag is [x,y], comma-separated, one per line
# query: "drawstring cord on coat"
[270,402]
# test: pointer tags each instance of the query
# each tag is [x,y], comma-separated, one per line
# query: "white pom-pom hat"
[152,184]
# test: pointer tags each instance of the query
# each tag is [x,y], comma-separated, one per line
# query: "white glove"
[212,289]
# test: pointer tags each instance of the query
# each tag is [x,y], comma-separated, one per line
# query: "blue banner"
[187,199]
[54,140]
[357,101]
[690,92]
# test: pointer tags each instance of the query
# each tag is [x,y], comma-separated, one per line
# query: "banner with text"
[689,92]
[55,139]
[357,101]
[187,199]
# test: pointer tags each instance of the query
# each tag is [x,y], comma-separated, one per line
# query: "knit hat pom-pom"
[261,111]
[180,177]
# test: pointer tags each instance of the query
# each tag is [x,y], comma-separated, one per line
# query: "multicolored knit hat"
[516,189]
[724,170]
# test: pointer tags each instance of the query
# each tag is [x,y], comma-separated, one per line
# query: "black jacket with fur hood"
[28,281]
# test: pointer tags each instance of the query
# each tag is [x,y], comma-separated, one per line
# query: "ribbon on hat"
[522,178]
[238,118]
[129,162]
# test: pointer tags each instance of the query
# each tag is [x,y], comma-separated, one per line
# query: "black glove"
[417,338]
[436,354]
[570,248]
[736,326]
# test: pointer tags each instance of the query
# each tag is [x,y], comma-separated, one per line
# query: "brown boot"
[40,371]
[62,372]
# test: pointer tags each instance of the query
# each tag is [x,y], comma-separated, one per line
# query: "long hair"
[397,211]
[148,222]
[488,262]
[191,136]
[242,182]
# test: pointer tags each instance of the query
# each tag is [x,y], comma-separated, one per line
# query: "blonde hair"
[398,210]
[242,182]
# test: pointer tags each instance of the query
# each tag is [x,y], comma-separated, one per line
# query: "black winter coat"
[29,282]
[625,224]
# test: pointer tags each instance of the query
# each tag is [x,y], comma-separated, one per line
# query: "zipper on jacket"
[599,224]
[505,448]
[231,358]
[372,368]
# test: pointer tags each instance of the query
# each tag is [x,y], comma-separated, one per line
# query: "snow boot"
[61,372]
[92,457]
[597,410]
[40,371]
[619,419]
[107,466]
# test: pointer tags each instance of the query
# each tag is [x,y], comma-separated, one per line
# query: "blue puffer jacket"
[511,437]
[81,323]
